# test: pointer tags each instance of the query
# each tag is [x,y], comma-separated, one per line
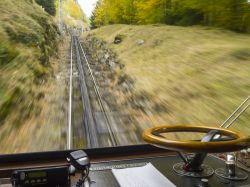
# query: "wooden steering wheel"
[239,141]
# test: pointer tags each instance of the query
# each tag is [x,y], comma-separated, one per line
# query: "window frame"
[92,153]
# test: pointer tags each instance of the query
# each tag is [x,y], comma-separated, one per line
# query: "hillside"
[196,75]
[28,40]
[33,73]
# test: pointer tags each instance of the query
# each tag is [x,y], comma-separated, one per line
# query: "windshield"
[97,73]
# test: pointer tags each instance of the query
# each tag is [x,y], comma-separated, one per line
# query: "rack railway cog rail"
[113,138]
[90,123]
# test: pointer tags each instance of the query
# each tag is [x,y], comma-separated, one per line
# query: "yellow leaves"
[233,15]
[150,11]
[73,9]
[114,11]
[129,11]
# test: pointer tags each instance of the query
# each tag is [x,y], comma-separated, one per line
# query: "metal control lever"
[195,163]
[231,172]
[230,165]
[193,166]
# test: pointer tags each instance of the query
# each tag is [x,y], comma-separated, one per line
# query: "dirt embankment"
[32,111]
[130,110]
[46,127]
[113,80]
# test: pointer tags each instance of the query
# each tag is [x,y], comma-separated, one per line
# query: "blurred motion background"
[178,62]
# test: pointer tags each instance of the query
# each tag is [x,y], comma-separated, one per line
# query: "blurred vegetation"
[198,74]
[31,87]
[73,9]
[228,14]
[73,14]
[48,5]
[28,38]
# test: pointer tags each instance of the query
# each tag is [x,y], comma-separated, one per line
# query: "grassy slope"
[27,40]
[200,74]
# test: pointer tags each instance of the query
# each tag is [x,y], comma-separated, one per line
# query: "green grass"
[200,74]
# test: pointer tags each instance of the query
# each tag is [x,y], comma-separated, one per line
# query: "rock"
[125,86]
[140,42]
[97,73]
[102,60]
[112,64]
[157,42]
[118,39]
[105,83]
[122,66]
[106,55]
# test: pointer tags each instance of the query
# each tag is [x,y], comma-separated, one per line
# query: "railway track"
[94,118]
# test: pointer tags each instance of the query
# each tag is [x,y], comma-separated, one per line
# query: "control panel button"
[22,176]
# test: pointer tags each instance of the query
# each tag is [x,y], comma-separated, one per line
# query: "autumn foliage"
[73,9]
[228,14]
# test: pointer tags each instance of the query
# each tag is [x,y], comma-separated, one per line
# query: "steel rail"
[69,144]
[89,123]
[99,98]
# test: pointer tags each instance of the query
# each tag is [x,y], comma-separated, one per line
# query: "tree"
[48,5]
[228,14]
[151,11]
